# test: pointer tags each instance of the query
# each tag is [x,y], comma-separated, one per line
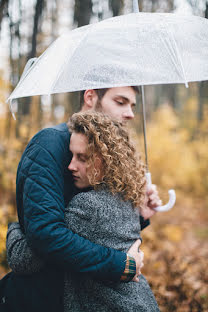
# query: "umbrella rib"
[175,52]
[180,59]
[22,79]
[63,65]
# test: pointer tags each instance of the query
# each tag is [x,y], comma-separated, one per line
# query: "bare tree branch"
[3,9]
[38,12]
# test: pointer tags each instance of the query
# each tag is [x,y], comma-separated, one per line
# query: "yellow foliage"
[4,87]
[173,232]
[3,232]
[157,265]
[176,159]
[23,130]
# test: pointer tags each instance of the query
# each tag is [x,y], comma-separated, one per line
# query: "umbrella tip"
[11,110]
[13,115]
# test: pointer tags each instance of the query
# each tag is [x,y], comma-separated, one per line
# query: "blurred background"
[175,245]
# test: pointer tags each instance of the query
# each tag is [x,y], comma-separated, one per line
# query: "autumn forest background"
[175,245]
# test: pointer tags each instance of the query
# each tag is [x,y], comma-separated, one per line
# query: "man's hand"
[138,257]
[152,201]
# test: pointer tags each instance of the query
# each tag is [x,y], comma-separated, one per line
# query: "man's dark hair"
[101,93]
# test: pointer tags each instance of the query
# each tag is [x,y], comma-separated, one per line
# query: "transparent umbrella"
[134,49]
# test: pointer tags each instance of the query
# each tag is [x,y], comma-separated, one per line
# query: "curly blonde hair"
[123,172]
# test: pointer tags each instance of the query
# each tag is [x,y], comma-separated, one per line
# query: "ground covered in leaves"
[176,252]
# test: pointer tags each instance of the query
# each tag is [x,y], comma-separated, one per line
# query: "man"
[44,188]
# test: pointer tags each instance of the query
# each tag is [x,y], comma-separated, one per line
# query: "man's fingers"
[139,262]
[137,243]
[135,279]
[138,257]
[141,255]
[135,246]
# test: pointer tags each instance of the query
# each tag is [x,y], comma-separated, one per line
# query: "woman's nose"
[72,165]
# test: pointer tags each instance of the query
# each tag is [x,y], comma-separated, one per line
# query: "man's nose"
[128,114]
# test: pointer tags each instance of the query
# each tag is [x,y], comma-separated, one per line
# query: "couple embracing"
[81,200]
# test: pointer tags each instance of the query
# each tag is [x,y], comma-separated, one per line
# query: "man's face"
[118,103]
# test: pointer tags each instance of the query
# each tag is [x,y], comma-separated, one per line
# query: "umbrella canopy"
[133,49]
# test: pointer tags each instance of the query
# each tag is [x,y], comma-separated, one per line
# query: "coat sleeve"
[144,223]
[20,257]
[40,175]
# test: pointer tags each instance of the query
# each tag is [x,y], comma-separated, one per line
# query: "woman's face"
[78,164]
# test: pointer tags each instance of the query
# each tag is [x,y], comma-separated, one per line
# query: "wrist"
[130,269]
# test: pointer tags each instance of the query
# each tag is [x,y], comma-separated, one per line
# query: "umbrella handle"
[172,196]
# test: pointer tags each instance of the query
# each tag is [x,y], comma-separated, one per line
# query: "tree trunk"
[202,86]
[82,12]
[38,12]
[12,74]
[19,62]
[200,102]
[26,103]
[54,21]
[206,10]
[116,6]
[3,9]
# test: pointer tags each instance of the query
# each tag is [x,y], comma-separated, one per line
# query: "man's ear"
[90,99]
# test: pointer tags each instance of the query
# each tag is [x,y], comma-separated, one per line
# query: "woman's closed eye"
[82,158]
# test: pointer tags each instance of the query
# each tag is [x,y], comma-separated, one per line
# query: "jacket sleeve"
[41,173]
[144,223]
[20,257]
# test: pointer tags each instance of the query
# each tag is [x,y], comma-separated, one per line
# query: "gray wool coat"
[104,219]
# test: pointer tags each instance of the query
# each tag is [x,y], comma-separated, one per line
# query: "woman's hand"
[152,201]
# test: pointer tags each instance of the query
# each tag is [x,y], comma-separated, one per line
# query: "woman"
[105,167]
